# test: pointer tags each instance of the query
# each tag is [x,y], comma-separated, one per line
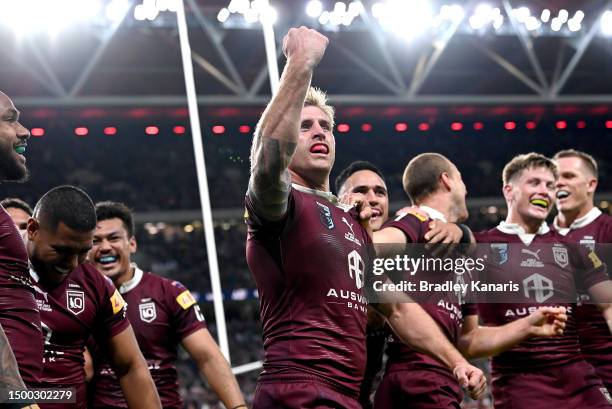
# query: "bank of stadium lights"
[150,9]
[250,11]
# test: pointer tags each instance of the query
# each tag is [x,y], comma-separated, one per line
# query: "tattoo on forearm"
[270,179]
[9,373]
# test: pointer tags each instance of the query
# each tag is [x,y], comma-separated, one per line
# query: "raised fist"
[305,45]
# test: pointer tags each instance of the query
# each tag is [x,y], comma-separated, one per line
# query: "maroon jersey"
[446,309]
[19,316]
[310,268]
[540,266]
[84,304]
[162,313]
[593,332]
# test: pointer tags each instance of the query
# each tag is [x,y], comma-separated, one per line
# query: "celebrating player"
[307,251]
[76,301]
[582,223]
[540,372]
[163,314]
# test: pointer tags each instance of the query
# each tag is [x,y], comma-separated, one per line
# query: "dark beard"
[11,170]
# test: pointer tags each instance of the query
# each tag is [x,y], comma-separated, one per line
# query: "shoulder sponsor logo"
[499,253]
[147,311]
[606,395]
[75,301]
[117,302]
[595,259]
[560,255]
[325,216]
[350,236]
[541,287]
[185,299]
[533,259]
[588,242]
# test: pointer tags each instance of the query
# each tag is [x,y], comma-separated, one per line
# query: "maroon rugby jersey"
[84,304]
[162,313]
[542,278]
[309,268]
[593,331]
[19,316]
[445,309]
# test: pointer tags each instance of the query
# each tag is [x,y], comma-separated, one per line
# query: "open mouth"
[376,213]
[319,148]
[542,203]
[562,194]
[105,260]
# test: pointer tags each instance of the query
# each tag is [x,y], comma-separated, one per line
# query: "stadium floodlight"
[250,16]
[406,19]
[452,12]
[239,6]
[545,17]
[355,8]
[563,16]
[606,23]
[378,9]
[532,23]
[339,8]
[556,24]
[223,15]
[314,8]
[268,15]
[483,15]
[578,16]
[116,9]
[521,14]
[574,23]
[324,18]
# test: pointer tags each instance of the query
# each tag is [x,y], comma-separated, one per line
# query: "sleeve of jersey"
[113,309]
[187,316]
[257,223]
[590,270]
[410,224]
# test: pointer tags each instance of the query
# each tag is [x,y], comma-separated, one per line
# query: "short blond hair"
[422,175]
[588,160]
[519,163]
[316,97]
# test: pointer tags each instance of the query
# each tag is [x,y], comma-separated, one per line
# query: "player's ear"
[507,191]
[32,228]
[133,245]
[445,181]
[592,185]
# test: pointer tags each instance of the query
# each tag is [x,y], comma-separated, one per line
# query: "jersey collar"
[132,282]
[526,238]
[433,213]
[329,196]
[578,223]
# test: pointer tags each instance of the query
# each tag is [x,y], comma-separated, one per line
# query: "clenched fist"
[305,45]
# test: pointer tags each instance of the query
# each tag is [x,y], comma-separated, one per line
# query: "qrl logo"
[541,286]
[148,313]
[356,268]
[75,301]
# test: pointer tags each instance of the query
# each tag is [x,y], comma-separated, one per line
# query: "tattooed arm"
[278,130]
[9,373]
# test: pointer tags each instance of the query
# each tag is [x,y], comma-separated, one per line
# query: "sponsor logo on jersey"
[595,260]
[185,299]
[350,236]
[414,213]
[117,302]
[147,311]
[560,255]
[499,253]
[533,258]
[325,216]
[588,242]
[75,301]
[541,287]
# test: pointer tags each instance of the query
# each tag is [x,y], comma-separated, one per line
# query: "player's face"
[367,185]
[316,149]
[531,193]
[13,141]
[54,254]
[575,185]
[112,248]
[459,193]
[20,218]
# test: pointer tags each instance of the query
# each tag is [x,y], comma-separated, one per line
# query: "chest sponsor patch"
[185,299]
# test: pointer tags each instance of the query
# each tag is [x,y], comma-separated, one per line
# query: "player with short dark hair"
[539,373]
[19,211]
[163,314]
[77,302]
[308,252]
[19,317]
[580,222]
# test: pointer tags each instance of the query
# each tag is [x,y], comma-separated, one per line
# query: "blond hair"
[318,98]
[519,163]
[587,159]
